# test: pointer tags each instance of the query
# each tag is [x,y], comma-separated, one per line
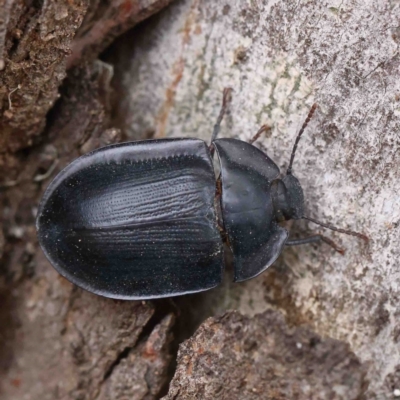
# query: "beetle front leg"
[314,239]
[226,99]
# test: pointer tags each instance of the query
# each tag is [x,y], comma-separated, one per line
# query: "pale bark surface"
[280,57]
[165,79]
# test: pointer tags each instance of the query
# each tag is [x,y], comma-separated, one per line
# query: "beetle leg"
[226,99]
[313,239]
[263,129]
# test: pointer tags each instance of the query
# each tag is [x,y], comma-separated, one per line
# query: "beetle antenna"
[332,228]
[309,116]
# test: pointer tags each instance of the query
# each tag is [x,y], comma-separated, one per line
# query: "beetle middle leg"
[264,128]
[314,239]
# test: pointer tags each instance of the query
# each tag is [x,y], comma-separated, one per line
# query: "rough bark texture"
[142,374]
[237,357]
[35,40]
[107,19]
[36,44]
[58,342]
[280,57]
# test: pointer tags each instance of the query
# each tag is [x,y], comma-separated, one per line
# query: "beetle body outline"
[138,220]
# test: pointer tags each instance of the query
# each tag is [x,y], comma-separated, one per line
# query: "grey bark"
[165,79]
[280,57]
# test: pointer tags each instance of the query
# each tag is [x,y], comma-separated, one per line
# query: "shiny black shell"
[255,237]
[138,220]
[135,220]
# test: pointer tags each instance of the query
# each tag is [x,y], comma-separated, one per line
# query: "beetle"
[148,219]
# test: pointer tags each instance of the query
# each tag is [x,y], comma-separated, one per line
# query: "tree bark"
[35,39]
[58,342]
[316,324]
[280,57]
[238,357]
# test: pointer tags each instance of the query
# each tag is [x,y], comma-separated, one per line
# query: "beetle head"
[295,196]
[287,198]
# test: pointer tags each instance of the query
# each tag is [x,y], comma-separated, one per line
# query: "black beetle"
[146,219]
